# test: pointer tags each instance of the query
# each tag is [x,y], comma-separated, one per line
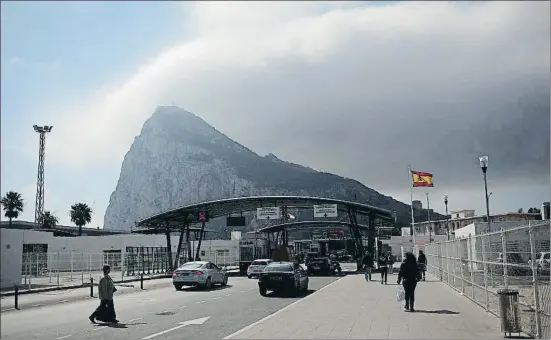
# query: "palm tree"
[13,205]
[81,214]
[48,220]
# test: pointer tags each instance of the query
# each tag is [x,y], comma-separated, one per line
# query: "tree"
[48,220]
[81,214]
[534,211]
[13,205]
[520,210]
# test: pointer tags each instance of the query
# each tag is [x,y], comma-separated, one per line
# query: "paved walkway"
[352,308]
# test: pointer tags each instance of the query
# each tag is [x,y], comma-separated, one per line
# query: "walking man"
[106,309]
[422,259]
[383,263]
[368,264]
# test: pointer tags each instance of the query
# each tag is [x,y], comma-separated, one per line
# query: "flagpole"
[428,213]
[412,228]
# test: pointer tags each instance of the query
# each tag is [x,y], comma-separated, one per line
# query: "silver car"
[202,274]
[257,266]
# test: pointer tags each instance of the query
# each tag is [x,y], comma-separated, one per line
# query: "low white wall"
[11,258]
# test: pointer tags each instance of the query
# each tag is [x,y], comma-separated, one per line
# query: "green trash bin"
[509,311]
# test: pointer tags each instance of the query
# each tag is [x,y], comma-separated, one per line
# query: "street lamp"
[484,166]
[447,217]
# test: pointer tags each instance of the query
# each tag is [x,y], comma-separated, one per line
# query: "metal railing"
[479,265]
[50,270]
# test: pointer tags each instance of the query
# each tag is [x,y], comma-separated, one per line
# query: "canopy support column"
[200,240]
[179,249]
[169,246]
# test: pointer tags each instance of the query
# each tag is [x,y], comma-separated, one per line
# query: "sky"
[360,89]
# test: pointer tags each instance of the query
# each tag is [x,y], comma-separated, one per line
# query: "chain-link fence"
[518,258]
[50,270]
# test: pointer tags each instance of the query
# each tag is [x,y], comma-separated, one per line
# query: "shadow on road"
[198,289]
[438,311]
[288,295]
[119,325]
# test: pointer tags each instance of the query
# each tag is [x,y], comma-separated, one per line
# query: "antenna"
[39,204]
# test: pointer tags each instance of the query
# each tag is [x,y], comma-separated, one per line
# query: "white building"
[20,247]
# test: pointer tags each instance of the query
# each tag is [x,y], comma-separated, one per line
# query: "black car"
[321,266]
[283,277]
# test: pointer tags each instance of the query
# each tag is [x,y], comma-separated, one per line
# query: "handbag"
[400,295]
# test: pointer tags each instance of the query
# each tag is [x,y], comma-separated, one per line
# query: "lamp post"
[484,166]
[447,217]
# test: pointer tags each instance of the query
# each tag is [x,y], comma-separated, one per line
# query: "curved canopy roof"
[228,206]
[309,224]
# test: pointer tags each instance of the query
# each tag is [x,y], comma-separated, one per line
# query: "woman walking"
[409,275]
[106,309]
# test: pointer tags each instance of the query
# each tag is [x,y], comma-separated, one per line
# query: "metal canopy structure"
[229,206]
[309,224]
[181,219]
[161,230]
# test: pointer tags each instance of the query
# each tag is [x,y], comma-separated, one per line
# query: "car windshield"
[279,268]
[191,265]
[259,263]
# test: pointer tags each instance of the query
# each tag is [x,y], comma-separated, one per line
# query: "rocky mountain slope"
[179,159]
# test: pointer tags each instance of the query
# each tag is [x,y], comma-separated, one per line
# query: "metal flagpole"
[412,228]
[428,216]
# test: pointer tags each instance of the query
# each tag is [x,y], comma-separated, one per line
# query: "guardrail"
[479,265]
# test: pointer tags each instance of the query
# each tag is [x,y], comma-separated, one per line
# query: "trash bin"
[508,311]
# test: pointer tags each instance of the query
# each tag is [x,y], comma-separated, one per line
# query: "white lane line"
[242,291]
[100,327]
[246,328]
[136,319]
[63,337]
[216,298]
[228,294]
[198,302]
[7,309]
[38,305]
[251,288]
[63,301]
[182,307]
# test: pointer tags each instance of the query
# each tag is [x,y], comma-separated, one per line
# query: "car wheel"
[250,276]
[208,283]
[262,291]
[225,280]
[178,287]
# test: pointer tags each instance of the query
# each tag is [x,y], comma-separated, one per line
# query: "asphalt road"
[145,314]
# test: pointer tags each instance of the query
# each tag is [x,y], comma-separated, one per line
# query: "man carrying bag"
[106,309]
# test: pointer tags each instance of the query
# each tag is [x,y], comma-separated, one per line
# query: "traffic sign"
[268,213]
[325,210]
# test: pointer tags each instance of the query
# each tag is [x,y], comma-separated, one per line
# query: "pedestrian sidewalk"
[351,308]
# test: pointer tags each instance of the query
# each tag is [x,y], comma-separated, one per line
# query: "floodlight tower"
[39,204]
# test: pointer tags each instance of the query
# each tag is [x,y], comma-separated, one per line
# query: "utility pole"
[39,203]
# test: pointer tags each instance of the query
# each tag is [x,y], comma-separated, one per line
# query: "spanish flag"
[421,179]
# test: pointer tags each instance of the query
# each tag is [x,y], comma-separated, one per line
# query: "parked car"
[283,277]
[543,262]
[201,274]
[256,267]
[322,266]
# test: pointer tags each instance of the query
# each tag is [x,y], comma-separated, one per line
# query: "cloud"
[360,90]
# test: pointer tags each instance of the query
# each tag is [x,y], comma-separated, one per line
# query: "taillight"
[249,268]
[197,272]
[174,274]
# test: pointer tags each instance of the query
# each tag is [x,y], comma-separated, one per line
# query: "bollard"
[141,280]
[91,287]
[16,296]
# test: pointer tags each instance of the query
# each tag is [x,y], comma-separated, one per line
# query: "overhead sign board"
[268,213]
[325,210]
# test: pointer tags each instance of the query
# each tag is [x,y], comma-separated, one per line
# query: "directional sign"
[199,321]
[325,210]
[268,213]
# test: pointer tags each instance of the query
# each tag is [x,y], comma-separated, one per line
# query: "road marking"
[199,321]
[163,312]
[63,337]
[38,305]
[181,307]
[136,319]
[63,301]
[242,291]
[216,298]
[200,302]
[246,328]
[251,288]
[228,294]
[7,309]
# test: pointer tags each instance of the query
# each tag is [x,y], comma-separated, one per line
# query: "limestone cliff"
[179,159]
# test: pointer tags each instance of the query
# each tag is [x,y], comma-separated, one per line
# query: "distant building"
[545,211]
[60,230]
[462,214]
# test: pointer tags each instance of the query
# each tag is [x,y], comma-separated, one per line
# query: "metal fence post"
[535,282]
[471,255]
[57,269]
[485,265]
[82,268]
[72,264]
[454,263]
[460,254]
[504,255]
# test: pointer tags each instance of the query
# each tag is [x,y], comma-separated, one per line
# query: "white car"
[202,274]
[257,267]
